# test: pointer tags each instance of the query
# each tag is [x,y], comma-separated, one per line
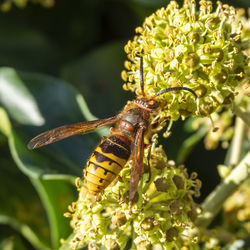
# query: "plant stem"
[237,142]
[213,203]
[243,115]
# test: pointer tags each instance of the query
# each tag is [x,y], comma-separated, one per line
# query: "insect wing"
[137,167]
[65,131]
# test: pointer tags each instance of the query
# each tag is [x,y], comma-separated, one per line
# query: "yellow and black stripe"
[105,163]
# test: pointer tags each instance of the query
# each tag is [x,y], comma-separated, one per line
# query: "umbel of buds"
[199,49]
[162,209]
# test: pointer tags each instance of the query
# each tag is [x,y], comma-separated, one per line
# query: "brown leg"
[130,207]
[149,167]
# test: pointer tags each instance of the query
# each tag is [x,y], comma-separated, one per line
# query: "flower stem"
[237,142]
[243,115]
[213,203]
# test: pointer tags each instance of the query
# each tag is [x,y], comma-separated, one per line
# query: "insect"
[126,140]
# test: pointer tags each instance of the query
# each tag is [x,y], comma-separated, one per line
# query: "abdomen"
[105,163]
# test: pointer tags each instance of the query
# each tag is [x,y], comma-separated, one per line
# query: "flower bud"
[111,244]
[221,77]
[176,207]
[162,184]
[93,246]
[119,219]
[178,181]
[201,90]
[147,224]
[144,245]
[192,60]
[194,37]
[171,234]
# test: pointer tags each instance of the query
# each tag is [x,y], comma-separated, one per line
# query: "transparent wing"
[65,131]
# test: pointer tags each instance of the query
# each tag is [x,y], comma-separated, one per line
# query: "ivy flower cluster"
[181,47]
[162,209]
[199,49]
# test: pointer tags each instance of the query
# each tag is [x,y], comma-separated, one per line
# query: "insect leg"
[137,165]
[141,76]
[149,146]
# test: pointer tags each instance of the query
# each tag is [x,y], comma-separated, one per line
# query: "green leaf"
[97,75]
[13,242]
[40,165]
[56,195]
[5,126]
[17,99]
[20,206]
[21,209]
[57,104]
[51,167]
[24,230]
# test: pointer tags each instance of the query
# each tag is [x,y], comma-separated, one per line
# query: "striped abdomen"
[105,163]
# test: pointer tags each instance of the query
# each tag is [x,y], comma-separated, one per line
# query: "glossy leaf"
[17,99]
[97,76]
[20,207]
[13,242]
[49,167]
[5,126]
[24,230]
[56,195]
[58,104]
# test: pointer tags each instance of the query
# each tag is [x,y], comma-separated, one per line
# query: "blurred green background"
[62,65]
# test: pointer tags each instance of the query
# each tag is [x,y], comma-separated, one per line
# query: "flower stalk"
[237,142]
[245,116]
[214,202]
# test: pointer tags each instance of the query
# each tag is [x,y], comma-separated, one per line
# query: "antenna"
[141,76]
[163,90]
[173,89]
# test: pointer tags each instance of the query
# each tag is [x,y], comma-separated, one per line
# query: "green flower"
[201,50]
[162,209]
